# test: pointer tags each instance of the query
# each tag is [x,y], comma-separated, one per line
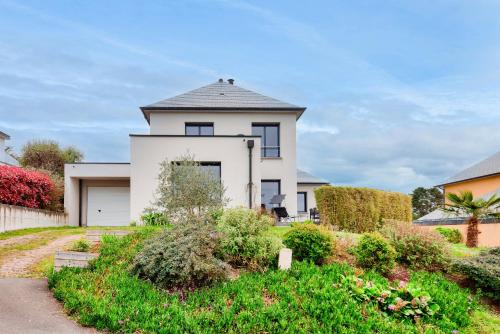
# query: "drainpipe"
[250,144]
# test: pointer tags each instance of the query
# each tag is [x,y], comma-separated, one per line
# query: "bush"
[453,235]
[373,251]
[483,270]
[81,245]
[244,239]
[152,218]
[309,242]
[182,256]
[360,210]
[25,188]
[416,247]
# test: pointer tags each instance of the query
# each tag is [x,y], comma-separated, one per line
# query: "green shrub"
[152,218]
[360,210]
[453,235]
[244,240]
[416,247]
[483,270]
[373,251]
[182,256]
[309,242]
[304,299]
[81,245]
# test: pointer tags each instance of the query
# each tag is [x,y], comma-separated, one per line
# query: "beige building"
[5,157]
[245,138]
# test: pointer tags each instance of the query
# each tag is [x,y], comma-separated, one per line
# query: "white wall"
[283,168]
[17,217]
[2,150]
[311,199]
[73,173]
[147,152]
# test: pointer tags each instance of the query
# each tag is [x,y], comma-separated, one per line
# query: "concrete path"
[27,307]
[18,263]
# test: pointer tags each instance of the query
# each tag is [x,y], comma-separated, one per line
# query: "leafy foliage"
[25,188]
[416,247]
[402,301]
[452,235]
[185,189]
[484,270]
[426,200]
[305,299]
[48,155]
[373,251]
[464,204]
[182,256]
[309,242]
[245,241]
[360,209]
[81,245]
[153,218]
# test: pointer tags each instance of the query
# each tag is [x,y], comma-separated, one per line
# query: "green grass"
[462,251]
[279,231]
[26,231]
[305,299]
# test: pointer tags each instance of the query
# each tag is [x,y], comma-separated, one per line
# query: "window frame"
[269,181]
[199,125]
[305,201]
[263,147]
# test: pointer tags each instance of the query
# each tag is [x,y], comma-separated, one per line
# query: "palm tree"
[476,209]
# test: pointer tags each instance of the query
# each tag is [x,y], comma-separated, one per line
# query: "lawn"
[306,299]
[26,231]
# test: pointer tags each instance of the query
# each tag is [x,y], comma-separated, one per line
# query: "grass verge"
[303,300]
[26,231]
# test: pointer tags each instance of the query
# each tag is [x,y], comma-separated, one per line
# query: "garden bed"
[307,298]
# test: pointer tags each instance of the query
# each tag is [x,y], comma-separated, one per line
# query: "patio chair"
[314,215]
[282,215]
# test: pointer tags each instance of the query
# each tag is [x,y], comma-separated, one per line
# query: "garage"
[108,206]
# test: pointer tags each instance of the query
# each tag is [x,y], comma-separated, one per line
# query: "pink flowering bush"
[26,188]
[400,301]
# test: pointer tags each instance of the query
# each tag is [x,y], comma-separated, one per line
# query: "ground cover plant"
[81,245]
[306,299]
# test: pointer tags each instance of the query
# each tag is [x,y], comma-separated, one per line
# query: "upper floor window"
[270,142]
[199,129]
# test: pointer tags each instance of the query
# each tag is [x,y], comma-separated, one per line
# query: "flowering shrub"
[25,188]
[401,301]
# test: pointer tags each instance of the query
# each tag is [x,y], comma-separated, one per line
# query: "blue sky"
[399,94]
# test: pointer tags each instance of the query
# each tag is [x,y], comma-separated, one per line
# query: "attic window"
[221,93]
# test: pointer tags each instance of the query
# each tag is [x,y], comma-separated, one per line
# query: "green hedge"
[361,209]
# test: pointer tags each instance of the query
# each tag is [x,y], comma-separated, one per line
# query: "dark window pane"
[207,130]
[301,202]
[213,168]
[258,131]
[272,136]
[192,130]
[267,191]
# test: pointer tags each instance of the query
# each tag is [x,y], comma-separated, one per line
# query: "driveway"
[27,307]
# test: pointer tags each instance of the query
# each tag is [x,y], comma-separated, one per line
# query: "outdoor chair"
[282,215]
[314,215]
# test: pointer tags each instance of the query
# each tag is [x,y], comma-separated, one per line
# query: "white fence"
[17,217]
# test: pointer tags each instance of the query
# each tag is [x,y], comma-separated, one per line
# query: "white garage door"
[108,206]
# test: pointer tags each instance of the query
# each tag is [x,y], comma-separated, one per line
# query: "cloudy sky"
[399,94]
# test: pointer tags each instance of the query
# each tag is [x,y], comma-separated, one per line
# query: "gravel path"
[27,307]
[18,263]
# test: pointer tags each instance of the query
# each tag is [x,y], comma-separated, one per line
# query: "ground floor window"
[302,201]
[212,167]
[269,188]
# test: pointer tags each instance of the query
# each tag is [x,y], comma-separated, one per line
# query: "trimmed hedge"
[361,210]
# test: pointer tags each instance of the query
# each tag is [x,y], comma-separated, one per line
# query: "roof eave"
[468,179]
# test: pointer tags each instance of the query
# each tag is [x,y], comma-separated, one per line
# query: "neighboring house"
[483,180]
[5,157]
[245,138]
[306,184]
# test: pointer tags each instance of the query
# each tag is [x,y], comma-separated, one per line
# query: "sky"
[399,94]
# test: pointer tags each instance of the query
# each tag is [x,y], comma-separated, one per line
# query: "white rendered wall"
[147,152]
[17,217]
[282,168]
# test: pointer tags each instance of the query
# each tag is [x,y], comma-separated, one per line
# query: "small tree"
[476,209]
[48,155]
[186,189]
[426,200]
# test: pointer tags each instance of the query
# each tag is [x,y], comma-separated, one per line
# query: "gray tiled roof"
[486,167]
[305,177]
[4,135]
[222,96]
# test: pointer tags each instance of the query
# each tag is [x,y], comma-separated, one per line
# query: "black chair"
[314,215]
[282,215]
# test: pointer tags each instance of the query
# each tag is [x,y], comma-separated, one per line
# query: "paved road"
[27,307]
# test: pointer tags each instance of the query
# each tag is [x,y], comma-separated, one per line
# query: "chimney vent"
[231,81]
[220,80]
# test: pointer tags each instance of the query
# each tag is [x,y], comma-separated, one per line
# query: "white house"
[5,157]
[246,138]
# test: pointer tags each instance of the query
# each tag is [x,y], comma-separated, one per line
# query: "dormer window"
[270,142]
[199,129]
